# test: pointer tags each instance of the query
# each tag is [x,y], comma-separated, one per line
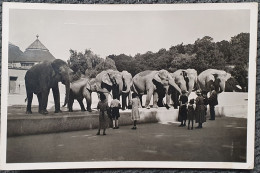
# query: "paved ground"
[221,140]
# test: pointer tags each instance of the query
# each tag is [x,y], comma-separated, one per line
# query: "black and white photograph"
[128,86]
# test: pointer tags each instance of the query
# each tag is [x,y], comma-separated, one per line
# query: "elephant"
[79,90]
[185,79]
[232,85]
[214,77]
[154,83]
[42,77]
[117,82]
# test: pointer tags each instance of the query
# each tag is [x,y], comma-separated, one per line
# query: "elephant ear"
[57,64]
[215,76]
[185,76]
[106,79]
[88,86]
[184,73]
[157,78]
[228,76]
[125,75]
[118,78]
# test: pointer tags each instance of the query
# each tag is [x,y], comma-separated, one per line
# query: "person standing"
[205,101]
[136,104]
[200,110]
[115,106]
[183,109]
[103,113]
[191,114]
[213,101]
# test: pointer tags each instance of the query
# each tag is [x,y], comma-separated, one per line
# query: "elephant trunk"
[172,83]
[222,87]
[191,85]
[67,85]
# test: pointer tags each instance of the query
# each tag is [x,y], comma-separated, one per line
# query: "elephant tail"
[65,102]
[134,89]
[25,100]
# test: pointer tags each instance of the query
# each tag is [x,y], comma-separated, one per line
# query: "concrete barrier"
[21,124]
[53,123]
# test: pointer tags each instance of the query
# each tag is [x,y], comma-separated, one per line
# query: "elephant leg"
[45,94]
[141,101]
[29,103]
[160,97]
[168,100]
[155,100]
[39,96]
[89,101]
[81,105]
[148,98]
[129,100]
[70,102]
[106,94]
[56,96]
[175,98]
[124,101]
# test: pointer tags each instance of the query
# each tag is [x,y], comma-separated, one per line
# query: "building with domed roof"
[19,62]
[34,54]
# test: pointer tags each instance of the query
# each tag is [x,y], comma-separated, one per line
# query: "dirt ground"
[222,140]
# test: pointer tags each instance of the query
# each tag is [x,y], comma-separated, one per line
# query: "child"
[135,115]
[103,113]
[191,113]
[115,106]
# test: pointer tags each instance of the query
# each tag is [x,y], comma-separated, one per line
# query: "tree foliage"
[89,63]
[203,54]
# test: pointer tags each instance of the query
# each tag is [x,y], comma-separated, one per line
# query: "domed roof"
[36,52]
[14,53]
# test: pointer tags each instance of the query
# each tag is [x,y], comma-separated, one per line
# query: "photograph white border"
[249,164]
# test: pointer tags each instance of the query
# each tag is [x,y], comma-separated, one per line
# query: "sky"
[117,32]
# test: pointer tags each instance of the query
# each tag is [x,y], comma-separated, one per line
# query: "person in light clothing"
[191,114]
[136,104]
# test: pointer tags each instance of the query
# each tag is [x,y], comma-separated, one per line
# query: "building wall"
[14,65]
[21,65]
[18,86]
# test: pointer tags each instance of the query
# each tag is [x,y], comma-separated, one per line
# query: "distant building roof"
[14,53]
[36,52]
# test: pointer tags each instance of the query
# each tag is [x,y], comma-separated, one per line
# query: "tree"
[239,47]
[240,73]
[207,55]
[89,63]
[224,47]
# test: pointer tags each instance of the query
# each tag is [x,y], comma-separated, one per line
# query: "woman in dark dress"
[183,109]
[103,114]
[200,110]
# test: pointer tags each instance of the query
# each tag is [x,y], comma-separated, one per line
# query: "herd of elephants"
[45,76]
